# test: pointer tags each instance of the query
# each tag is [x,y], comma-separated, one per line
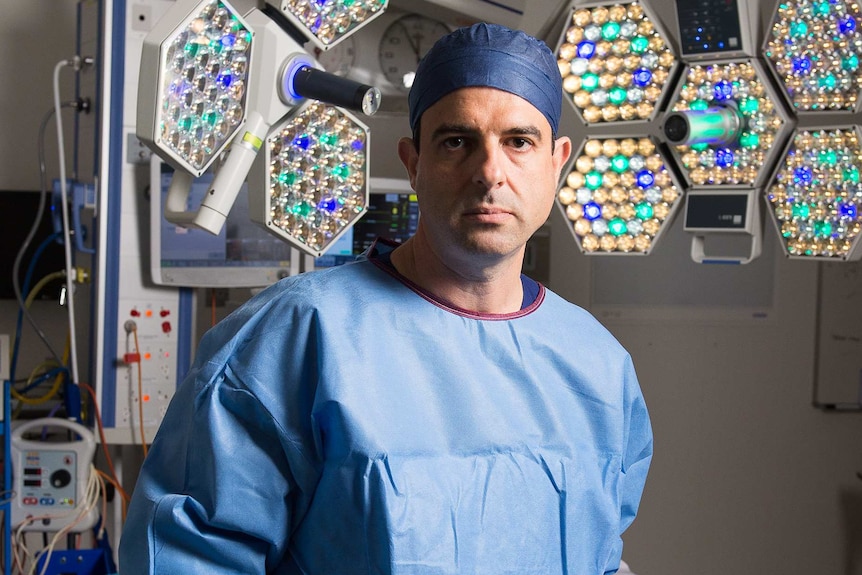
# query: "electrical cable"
[42,399]
[67,234]
[104,442]
[16,267]
[132,329]
[13,363]
[32,383]
[95,490]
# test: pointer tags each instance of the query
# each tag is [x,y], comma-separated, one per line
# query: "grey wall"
[748,477]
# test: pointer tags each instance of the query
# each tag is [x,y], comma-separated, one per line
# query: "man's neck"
[489,289]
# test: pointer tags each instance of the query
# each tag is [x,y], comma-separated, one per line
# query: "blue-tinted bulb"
[641,77]
[302,141]
[328,205]
[801,65]
[586,49]
[592,211]
[723,90]
[802,175]
[848,211]
[224,79]
[645,179]
[724,158]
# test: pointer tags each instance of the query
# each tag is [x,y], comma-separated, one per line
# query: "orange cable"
[140,394]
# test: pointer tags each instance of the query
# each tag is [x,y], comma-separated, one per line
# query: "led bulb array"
[331,20]
[204,85]
[816,197]
[814,48]
[737,86]
[614,63]
[317,171]
[619,195]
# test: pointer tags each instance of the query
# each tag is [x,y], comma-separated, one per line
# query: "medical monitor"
[243,254]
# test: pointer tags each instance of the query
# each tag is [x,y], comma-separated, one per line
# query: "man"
[426,410]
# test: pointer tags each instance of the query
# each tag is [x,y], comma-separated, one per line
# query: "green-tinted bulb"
[593,180]
[617,227]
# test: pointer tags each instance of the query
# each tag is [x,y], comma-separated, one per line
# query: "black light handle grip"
[319,85]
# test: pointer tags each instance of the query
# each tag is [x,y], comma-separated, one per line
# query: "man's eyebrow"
[450,129]
[525,131]
[463,129]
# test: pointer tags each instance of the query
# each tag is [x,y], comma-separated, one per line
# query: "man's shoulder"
[574,320]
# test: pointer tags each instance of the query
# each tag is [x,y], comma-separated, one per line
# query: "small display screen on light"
[716,211]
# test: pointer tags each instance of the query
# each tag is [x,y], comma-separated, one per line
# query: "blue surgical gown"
[345,422]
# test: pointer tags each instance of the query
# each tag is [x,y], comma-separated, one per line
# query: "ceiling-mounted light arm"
[718,125]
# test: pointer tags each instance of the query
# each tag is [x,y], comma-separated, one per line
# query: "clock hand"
[414,46]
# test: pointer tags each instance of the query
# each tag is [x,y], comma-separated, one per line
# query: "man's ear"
[409,157]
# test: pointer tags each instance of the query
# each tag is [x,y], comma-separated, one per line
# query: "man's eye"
[520,143]
[454,142]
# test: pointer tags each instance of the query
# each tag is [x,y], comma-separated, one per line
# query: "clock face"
[338,59]
[403,44]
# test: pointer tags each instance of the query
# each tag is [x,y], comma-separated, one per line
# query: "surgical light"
[615,63]
[214,80]
[619,195]
[814,49]
[815,198]
[726,126]
[329,20]
[314,171]
[204,73]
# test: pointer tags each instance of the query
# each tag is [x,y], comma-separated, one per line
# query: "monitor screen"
[243,254]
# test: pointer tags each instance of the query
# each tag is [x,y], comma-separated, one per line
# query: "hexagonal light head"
[813,48]
[313,182]
[200,57]
[815,199]
[735,124]
[619,196]
[615,63]
[327,22]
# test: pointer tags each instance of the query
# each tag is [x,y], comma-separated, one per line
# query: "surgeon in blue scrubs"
[426,410]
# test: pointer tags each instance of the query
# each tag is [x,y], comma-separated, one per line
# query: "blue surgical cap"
[489,55]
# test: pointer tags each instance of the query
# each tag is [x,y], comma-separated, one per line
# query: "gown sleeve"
[637,454]
[218,490]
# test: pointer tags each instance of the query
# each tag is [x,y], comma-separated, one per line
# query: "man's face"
[486,176]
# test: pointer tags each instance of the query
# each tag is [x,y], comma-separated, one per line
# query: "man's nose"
[489,168]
